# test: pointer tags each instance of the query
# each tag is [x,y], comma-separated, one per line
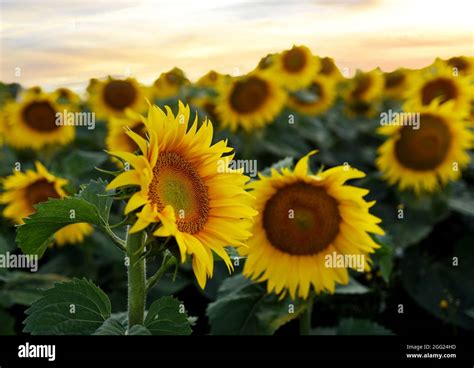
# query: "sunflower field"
[295,199]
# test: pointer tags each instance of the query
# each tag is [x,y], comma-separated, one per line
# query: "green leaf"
[164,317]
[96,194]
[353,287]
[117,325]
[462,199]
[25,288]
[429,280]
[351,326]
[80,162]
[244,308]
[92,205]
[384,258]
[34,235]
[7,324]
[77,307]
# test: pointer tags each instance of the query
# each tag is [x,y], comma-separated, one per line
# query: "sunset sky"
[65,43]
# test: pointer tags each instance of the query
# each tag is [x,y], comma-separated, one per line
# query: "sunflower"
[169,84]
[459,65]
[31,91]
[211,79]
[363,92]
[423,159]
[303,219]
[67,98]
[186,186]
[397,83]
[34,123]
[267,61]
[329,69]
[250,101]
[24,190]
[207,104]
[295,67]
[441,85]
[117,137]
[321,93]
[110,98]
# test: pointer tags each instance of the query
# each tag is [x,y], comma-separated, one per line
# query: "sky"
[66,42]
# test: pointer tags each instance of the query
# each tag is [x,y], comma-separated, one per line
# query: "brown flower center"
[40,116]
[394,79]
[294,60]
[459,63]
[363,83]
[424,148]
[119,94]
[39,192]
[177,183]
[249,95]
[440,87]
[301,219]
[327,66]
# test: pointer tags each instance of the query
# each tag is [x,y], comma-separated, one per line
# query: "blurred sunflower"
[31,91]
[250,101]
[462,65]
[423,159]
[363,92]
[33,123]
[168,84]
[266,62]
[67,98]
[187,187]
[442,86]
[303,218]
[397,83]
[110,98]
[24,190]
[117,137]
[207,104]
[211,79]
[295,68]
[317,98]
[329,69]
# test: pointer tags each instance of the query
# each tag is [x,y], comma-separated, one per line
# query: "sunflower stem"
[305,319]
[136,280]
[165,265]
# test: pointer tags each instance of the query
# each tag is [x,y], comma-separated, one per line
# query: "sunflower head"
[33,123]
[440,85]
[169,84]
[22,191]
[424,156]
[186,189]
[117,137]
[112,97]
[397,83]
[250,101]
[458,65]
[362,93]
[328,68]
[211,79]
[67,98]
[295,68]
[318,97]
[304,218]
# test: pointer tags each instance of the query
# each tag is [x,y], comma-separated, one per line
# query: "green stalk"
[305,319]
[136,280]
